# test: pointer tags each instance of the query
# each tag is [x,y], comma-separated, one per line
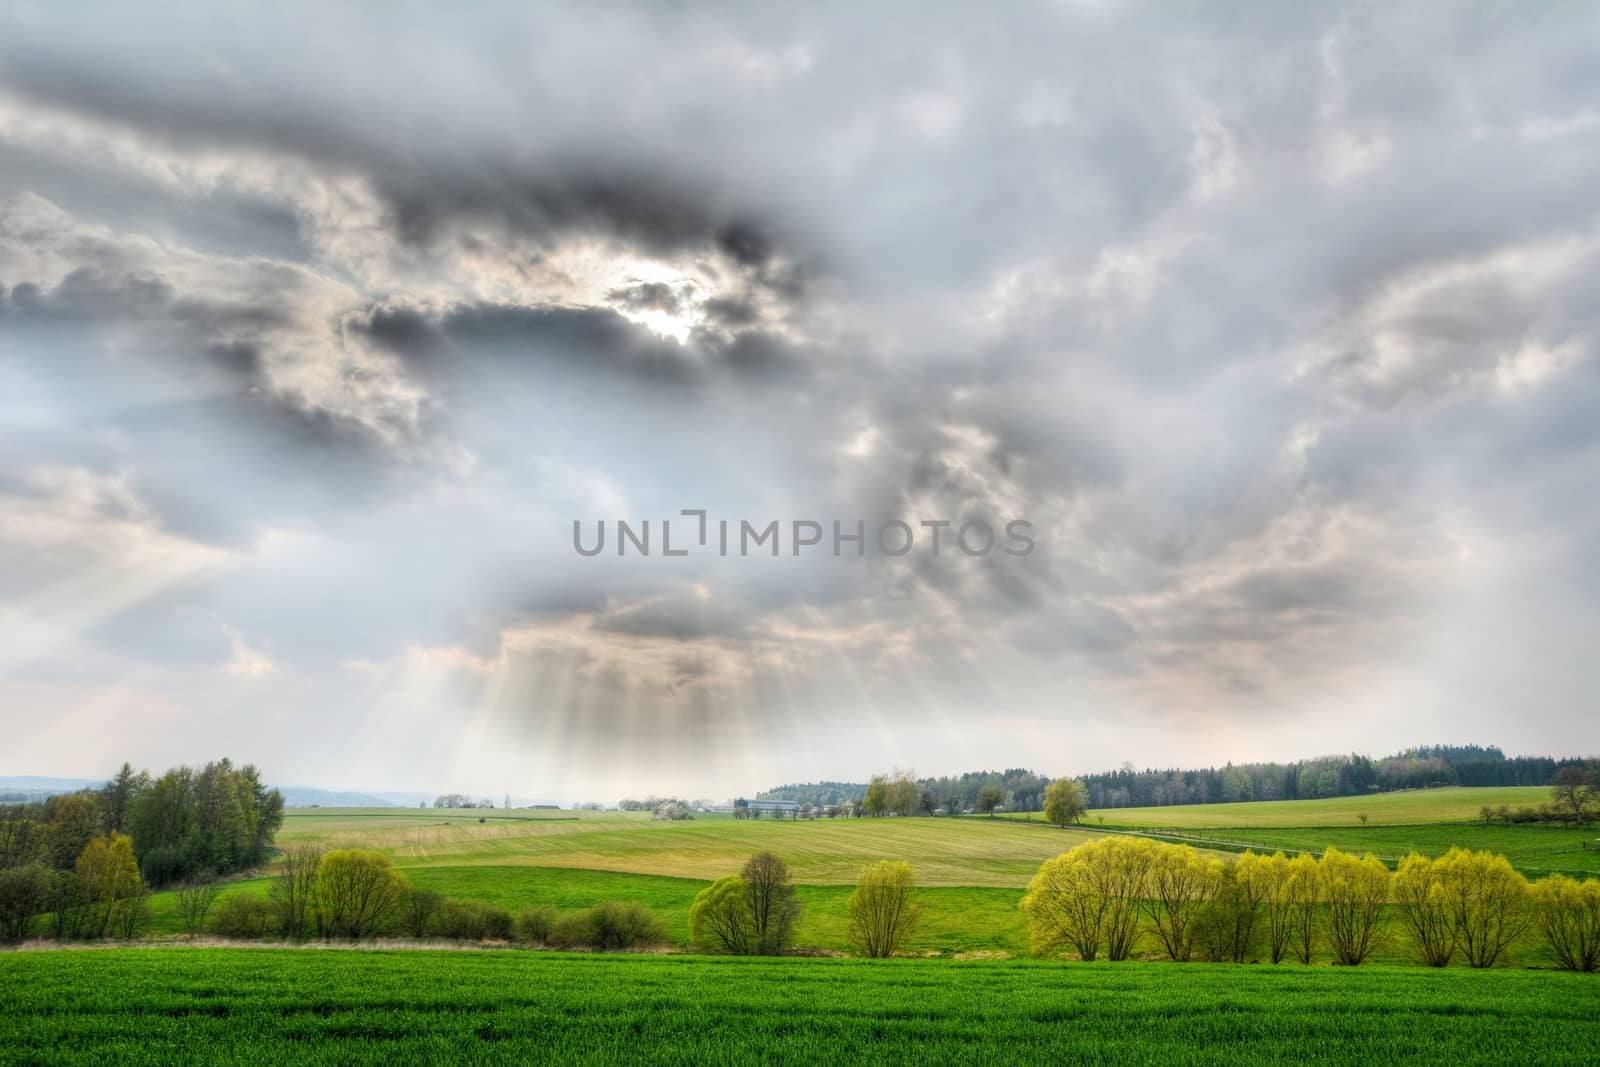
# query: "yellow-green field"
[1455,804]
[945,852]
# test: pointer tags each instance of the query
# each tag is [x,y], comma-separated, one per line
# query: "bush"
[1568,914]
[608,927]
[24,892]
[472,920]
[243,916]
[572,929]
[417,911]
[616,926]
[533,924]
[195,901]
[882,912]
[358,893]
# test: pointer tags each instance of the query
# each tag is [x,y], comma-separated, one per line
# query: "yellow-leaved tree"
[1488,899]
[1423,904]
[1568,914]
[1355,891]
[1181,881]
[882,909]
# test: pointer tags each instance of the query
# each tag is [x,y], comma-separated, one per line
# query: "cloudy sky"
[320,327]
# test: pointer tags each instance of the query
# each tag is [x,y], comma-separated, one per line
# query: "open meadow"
[945,852]
[308,1006]
[970,871]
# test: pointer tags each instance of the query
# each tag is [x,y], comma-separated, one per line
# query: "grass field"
[253,1006]
[1455,804]
[945,852]
[956,919]
[972,870]
[1430,821]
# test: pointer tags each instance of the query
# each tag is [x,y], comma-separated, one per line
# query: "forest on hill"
[1423,767]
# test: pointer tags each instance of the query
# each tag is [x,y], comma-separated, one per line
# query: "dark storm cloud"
[633,202]
[647,296]
[527,341]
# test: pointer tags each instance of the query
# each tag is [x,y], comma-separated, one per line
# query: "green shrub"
[496,923]
[617,925]
[608,927]
[471,920]
[533,924]
[243,916]
[572,929]
[417,911]
[24,892]
[358,893]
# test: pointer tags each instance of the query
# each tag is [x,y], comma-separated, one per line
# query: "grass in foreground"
[178,1006]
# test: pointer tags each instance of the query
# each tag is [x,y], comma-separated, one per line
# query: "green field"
[1430,821]
[1454,804]
[308,1006]
[972,870]
[964,852]
[956,919]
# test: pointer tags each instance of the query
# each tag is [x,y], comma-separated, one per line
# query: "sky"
[321,327]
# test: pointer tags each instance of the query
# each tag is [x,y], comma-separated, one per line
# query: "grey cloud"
[1279,325]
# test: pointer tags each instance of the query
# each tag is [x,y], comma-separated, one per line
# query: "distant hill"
[32,787]
[296,796]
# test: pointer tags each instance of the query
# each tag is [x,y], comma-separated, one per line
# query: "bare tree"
[1575,794]
[773,907]
[294,890]
[195,900]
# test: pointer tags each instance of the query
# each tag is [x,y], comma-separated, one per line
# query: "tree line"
[903,793]
[1103,895]
[88,859]
[1321,777]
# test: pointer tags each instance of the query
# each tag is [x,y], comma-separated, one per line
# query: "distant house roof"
[774,805]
